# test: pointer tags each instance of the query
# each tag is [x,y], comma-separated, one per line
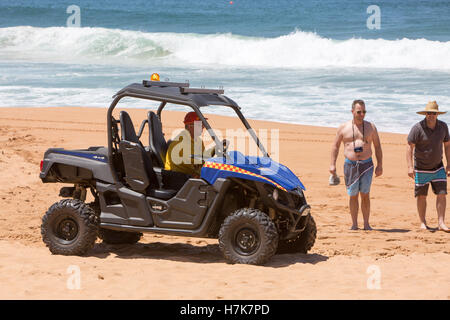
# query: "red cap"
[191,117]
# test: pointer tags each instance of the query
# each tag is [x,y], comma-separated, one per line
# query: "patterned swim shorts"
[358,176]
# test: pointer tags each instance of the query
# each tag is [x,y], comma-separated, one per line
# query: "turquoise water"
[280,60]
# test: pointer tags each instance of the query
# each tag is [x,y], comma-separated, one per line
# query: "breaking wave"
[295,50]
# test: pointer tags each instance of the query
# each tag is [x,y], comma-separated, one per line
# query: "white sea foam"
[295,50]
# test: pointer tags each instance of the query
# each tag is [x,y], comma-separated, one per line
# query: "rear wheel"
[303,243]
[119,237]
[248,236]
[69,227]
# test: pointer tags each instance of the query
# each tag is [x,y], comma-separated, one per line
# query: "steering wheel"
[226,144]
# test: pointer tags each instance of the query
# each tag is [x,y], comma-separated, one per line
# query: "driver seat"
[157,142]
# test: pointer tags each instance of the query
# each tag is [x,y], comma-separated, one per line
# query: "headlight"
[305,210]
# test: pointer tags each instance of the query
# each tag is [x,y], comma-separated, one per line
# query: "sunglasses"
[431,114]
[363,112]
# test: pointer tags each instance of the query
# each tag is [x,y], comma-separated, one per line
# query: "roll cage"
[176,93]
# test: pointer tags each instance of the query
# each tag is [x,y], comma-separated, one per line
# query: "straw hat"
[432,106]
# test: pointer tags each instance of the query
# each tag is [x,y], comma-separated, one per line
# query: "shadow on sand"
[183,252]
[393,230]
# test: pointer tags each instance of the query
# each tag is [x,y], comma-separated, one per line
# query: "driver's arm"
[211,152]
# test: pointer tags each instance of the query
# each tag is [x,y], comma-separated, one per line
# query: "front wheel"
[248,236]
[69,227]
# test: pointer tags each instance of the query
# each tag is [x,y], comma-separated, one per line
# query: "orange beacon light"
[154,77]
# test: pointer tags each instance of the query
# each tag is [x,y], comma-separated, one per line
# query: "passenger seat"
[157,142]
[139,173]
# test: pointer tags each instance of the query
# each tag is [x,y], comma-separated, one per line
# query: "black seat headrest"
[127,128]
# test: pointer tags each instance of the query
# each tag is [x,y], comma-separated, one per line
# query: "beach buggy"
[253,205]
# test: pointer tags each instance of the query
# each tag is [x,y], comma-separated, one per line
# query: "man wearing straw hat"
[425,141]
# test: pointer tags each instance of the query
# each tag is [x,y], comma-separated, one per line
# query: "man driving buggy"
[186,151]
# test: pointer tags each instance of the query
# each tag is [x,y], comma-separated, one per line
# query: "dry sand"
[411,263]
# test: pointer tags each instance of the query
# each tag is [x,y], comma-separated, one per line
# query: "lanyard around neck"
[353,129]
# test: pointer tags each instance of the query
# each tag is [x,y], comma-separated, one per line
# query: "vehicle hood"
[262,169]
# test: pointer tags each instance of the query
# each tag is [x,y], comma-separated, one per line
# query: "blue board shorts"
[358,176]
[437,177]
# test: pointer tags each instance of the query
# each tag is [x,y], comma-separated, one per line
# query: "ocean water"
[289,61]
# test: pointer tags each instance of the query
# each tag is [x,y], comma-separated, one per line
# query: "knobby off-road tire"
[119,237]
[303,243]
[70,227]
[248,236]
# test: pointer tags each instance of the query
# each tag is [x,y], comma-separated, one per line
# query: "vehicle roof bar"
[147,83]
[201,90]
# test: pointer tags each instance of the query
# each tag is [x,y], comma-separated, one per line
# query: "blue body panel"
[92,156]
[268,170]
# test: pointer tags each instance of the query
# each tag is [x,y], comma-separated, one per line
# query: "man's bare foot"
[423,226]
[368,228]
[354,228]
[444,228]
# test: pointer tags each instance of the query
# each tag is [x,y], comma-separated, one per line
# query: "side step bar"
[177,232]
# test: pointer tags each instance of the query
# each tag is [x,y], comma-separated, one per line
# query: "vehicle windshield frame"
[236,109]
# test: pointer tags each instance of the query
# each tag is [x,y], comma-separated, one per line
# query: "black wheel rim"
[66,230]
[246,241]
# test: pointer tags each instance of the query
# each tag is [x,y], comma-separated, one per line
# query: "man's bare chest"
[357,133]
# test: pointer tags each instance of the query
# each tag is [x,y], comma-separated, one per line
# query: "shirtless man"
[358,136]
